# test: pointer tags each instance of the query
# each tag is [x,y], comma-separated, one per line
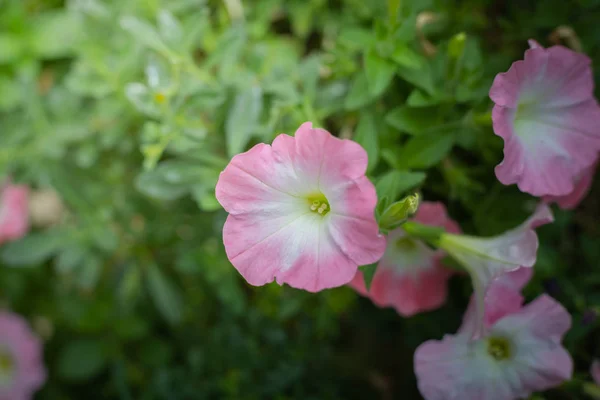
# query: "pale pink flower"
[583,184]
[410,277]
[14,220]
[502,297]
[486,259]
[595,371]
[22,371]
[519,353]
[300,211]
[546,113]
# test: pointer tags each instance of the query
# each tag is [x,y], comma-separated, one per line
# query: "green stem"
[430,234]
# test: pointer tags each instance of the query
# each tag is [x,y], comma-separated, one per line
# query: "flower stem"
[430,234]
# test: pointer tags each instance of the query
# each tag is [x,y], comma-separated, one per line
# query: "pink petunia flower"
[595,371]
[14,214]
[22,371]
[546,113]
[583,184]
[300,211]
[410,277]
[486,259]
[519,353]
[502,297]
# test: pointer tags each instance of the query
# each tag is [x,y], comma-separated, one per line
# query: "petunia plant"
[269,199]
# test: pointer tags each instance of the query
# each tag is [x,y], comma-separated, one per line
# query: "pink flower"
[519,353]
[410,277]
[13,212]
[300,211]
[502,297]
[22,371]
[595,371]
[546,113]
[582,187]
[486,259]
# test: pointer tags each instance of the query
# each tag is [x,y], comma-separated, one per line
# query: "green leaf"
[71,258]
[88,276]
[355,38]
[368,274]
[301,18]
[309,75]
[407,57]
[12,93]
[379,73]
[243,119]
[205,197]
[33,249]
[591,390]
[55,34]
[421,77]
[169,27]
[425,151]
[164,294]
[171,180]
[366,135]
[394,7]
[12,48]
[359,94]
[144,33]
[412,120]
[81,360]
[153,184]
[418,98]
[395,183]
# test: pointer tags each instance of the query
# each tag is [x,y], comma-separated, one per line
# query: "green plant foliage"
[129,109]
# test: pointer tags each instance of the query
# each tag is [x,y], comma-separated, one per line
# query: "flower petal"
[298,251]
[352,224]
[411,280]
[357,238]
[536,331]
[456,368]
[595,371]
[340,160]
[435,214]
[14,213]
[550,148]
[256,181]
[582,187]
[552,77]
[411,293]
[26,349]
[501,299]
[547,116]
[488,258]
[271,232]
[460,368]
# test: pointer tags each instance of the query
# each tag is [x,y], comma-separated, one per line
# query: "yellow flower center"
[318,204]
[7,365]
[405,244]
[499,348]
[159,98]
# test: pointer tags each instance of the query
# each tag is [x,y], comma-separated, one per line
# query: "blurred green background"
[120,114]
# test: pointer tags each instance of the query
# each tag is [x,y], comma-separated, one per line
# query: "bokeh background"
[120,114]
